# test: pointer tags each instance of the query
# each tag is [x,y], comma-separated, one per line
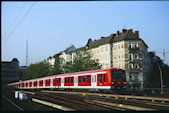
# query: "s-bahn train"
[95,80]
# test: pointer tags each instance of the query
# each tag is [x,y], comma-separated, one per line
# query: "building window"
[135,56]
[122,46]
[119,46]
[130,76]
[130,56]
[119,56]
[115,47]
[136,66]
[106,48]
[130,66]
[135,44]
[130,45]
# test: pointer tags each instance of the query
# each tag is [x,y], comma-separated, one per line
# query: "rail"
[117,96]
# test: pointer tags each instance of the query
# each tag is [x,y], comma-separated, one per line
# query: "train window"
[80,79]
[22,84]
[65,80]
[26,84]
[100,78]
[104,78]
[56,80]
[41,83]
[59,80]
[35,84]
[71,79]
[84,79]
[88,78]
[49,81]
[30,84]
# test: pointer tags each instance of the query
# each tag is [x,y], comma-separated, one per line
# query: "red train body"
[105,79]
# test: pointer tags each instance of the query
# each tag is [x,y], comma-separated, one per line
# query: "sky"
[51,27]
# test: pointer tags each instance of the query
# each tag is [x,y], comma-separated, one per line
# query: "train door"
[93,81]
[75,81]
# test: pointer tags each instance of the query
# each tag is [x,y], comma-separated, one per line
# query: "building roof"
[13,60]
[124,35]
[101,41]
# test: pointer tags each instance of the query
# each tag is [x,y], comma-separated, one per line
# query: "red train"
[96,80]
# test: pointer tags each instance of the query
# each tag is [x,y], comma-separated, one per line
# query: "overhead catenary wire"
[20,11]
[18,24]
[16,18]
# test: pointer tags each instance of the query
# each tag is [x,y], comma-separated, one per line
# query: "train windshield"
[118,75]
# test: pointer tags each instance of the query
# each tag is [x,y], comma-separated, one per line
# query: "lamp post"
[162,92]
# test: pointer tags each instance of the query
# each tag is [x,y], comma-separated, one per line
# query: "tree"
[82,62]
[40,69]
[154,79]
[57,69]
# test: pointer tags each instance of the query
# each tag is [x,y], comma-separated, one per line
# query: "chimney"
[131,30]
[117,32]
[137,33]
[124,30]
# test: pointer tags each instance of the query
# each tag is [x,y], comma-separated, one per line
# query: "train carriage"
[95,80]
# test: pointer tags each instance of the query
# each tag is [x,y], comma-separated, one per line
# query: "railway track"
[126,101]
[70,101]
[83,101]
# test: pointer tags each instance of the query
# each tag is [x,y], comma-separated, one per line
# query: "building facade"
[10,71]
[67,55]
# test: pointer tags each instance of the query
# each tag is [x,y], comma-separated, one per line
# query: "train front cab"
[118,80]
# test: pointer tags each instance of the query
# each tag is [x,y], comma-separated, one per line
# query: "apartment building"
[123,50]
[67,55]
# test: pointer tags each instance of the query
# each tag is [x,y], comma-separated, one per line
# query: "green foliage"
[57,69]
[37,70]
[154,79]
[82,62]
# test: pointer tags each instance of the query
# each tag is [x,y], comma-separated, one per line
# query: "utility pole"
[162,91]
[26,53]
[164,56]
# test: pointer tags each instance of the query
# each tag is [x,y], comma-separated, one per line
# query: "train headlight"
[112,82]
[124,82]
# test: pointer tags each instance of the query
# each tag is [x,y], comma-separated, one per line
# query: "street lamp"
[161,79]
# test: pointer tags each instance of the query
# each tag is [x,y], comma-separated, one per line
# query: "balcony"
[135,61]
[134,81]
[134,50]
[135,69]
